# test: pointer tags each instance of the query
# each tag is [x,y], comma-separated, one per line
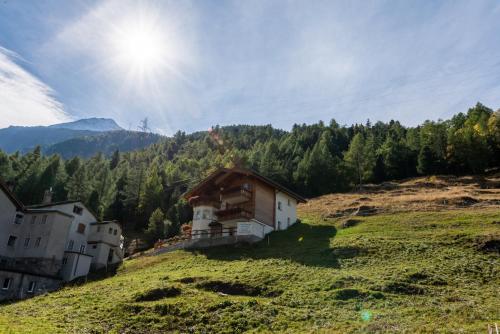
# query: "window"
[12,241]
[82,248]
[206,214]
[19,218]
[288,222]
[6,283]
[98,229]
[33,219]
[26,242]
[65,260]
[31,287]
[94,246]
[78,210]
[197,214]
[81,228]
[37,242]
[279,206]
[110,231]
[71,244]
[288,202]
[115,232]
[44,219]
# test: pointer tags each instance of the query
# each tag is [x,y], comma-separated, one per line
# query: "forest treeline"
[143,188]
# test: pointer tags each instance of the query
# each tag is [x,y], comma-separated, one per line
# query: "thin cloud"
[25,100]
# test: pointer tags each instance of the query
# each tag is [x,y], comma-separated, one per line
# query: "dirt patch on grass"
[157,294]
[237,289]
[346,294]
[190,280]
[350,223]
[426,279]
[463,201]
[488,244]
[365,210]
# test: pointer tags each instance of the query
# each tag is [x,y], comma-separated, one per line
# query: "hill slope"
[25,138]
[400,269]
[105,143]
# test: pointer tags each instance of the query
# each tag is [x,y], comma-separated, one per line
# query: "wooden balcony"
[233,213]
[236,195]
[213,233]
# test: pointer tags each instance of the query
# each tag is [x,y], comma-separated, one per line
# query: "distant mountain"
[90,124]
[25,138]
[105,143]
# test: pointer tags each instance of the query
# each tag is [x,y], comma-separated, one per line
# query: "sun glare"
[140,48]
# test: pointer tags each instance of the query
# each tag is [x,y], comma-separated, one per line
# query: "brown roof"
[245,171]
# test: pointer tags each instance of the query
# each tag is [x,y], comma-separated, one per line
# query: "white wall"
[52,231]
[103,237]
[77,265]
[202,216]
[287,216]
[253,227]
[7,226]
[85,218]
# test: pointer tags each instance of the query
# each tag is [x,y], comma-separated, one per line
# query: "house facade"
[90,244]
[241,203]
[45,245]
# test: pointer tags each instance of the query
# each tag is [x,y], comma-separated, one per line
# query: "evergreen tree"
[115,160]
[360,157]
[426,161]
[78,185]
[156,226]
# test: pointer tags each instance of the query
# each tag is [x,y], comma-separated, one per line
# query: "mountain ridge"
[26,138]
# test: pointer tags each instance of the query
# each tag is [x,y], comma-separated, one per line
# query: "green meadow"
[422,272]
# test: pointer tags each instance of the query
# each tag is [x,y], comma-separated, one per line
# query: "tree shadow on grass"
[302,243]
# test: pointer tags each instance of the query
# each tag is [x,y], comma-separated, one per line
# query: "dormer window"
[78,210]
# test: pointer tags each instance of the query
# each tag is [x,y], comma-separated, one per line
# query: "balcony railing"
[236,195]
[213,233]
[233,213]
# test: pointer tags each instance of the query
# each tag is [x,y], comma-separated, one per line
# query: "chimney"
[47,196]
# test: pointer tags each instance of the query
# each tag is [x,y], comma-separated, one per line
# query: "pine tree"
[360,157]
[115,160]
[156,226]
[426,161]
[153,191]
[78,185]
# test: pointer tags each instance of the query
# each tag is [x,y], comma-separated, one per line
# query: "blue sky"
[248,62]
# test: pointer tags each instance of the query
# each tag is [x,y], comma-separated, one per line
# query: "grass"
[406,272]
[412,271]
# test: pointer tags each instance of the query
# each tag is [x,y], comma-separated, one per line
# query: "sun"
[139,47]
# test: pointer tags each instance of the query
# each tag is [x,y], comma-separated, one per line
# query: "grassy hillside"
[424,266]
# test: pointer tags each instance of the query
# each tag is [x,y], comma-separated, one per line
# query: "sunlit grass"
[406,272]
